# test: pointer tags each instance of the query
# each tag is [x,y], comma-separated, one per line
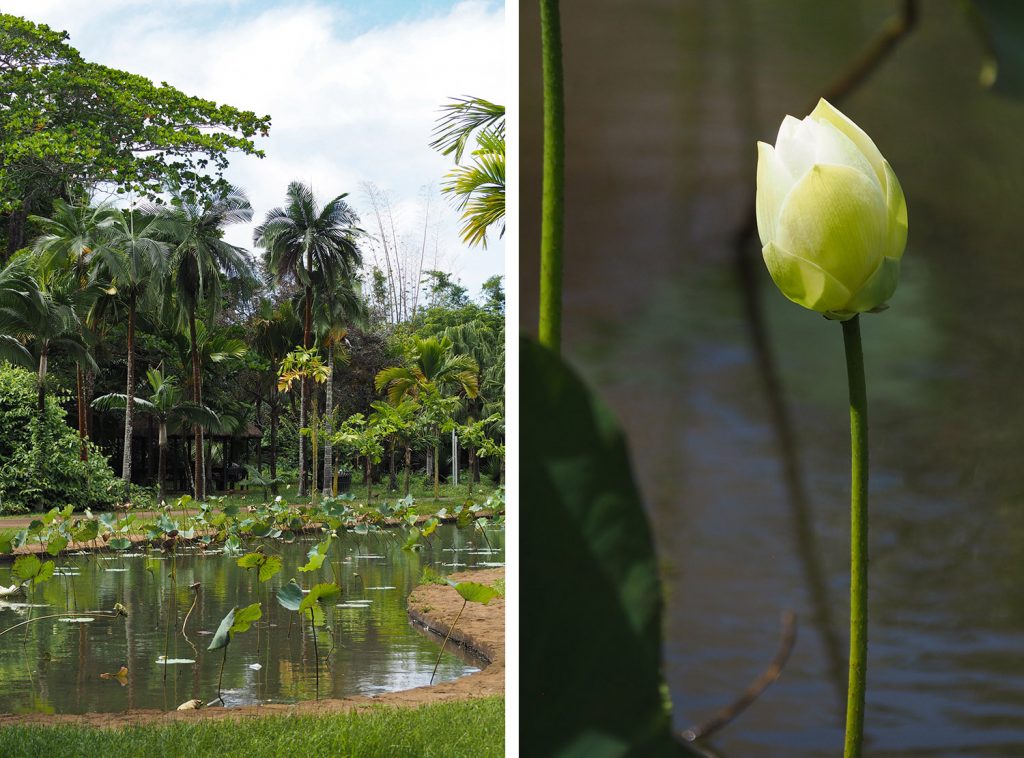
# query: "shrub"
[39,457]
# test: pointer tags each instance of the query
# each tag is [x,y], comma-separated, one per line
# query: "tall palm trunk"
[197,398]
[392,476]
[437,476]
[42,439]
[274,411]
[408,465]
[83,450]
[328,428]
[129,410]
[162,465]
[307,331]
[369,481]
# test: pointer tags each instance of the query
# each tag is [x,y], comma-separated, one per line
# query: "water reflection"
[368,646]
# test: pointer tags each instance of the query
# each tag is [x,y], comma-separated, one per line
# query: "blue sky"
[353,89]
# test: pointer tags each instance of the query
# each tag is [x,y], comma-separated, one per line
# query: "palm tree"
[198,258]
[47,322]
[136,262]
[310,245]
[336,309]
[166,405]
[18,293]
[477,187]
[398,424]
[276,331]
[69,238]
[210,348]
[435,370]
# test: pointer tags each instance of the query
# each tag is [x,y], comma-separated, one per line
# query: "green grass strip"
[464,728]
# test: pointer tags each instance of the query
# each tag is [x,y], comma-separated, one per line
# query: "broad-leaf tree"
[68,126]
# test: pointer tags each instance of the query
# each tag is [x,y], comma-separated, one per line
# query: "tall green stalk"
[858,539]
[550,324]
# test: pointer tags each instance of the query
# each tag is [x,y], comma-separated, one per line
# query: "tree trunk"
[328,427]
[129,410]
[369,482]
[392,476]
[408,466]
[307,332]
[162,466]
[437,476]
[274,410]
[225,450]
[197,398]
[259,440]
[42,437]
[16,230]
[83,450]
[208,480]
[469,471]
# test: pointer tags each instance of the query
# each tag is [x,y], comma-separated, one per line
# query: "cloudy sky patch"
[353,89]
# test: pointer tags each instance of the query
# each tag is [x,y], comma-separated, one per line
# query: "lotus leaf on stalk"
[266,566]
[317,555]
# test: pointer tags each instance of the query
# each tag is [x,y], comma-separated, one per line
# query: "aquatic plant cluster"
[245,536]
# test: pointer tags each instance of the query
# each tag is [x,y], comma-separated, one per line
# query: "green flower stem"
[550,325]
[858,539]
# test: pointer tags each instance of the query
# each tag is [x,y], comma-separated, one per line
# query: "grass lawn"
[467,728]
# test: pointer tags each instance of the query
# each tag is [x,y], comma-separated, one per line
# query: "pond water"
[741,444]
[375,649]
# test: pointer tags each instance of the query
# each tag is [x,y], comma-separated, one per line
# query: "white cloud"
[347,107]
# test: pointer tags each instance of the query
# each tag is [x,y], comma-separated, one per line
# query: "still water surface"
[375,650]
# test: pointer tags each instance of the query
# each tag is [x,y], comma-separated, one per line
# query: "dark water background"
[57,669]
[741,448]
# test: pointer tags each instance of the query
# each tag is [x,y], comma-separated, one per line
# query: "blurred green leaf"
[290,596]
[597,544]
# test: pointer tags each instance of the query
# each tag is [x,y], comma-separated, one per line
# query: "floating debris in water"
[18,606]
[491,564]
[354,604]
[453,565]
[172,661]
[382,588]
[255,666]
[367,555]
[115,570]
[78,620]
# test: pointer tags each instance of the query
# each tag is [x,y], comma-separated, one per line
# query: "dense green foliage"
[106,300]
[67,124]
[39,458]
[472,728]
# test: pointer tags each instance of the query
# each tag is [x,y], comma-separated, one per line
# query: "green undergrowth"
[466,728]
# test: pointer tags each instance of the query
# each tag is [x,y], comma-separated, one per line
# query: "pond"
[57,667]
[743,461]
